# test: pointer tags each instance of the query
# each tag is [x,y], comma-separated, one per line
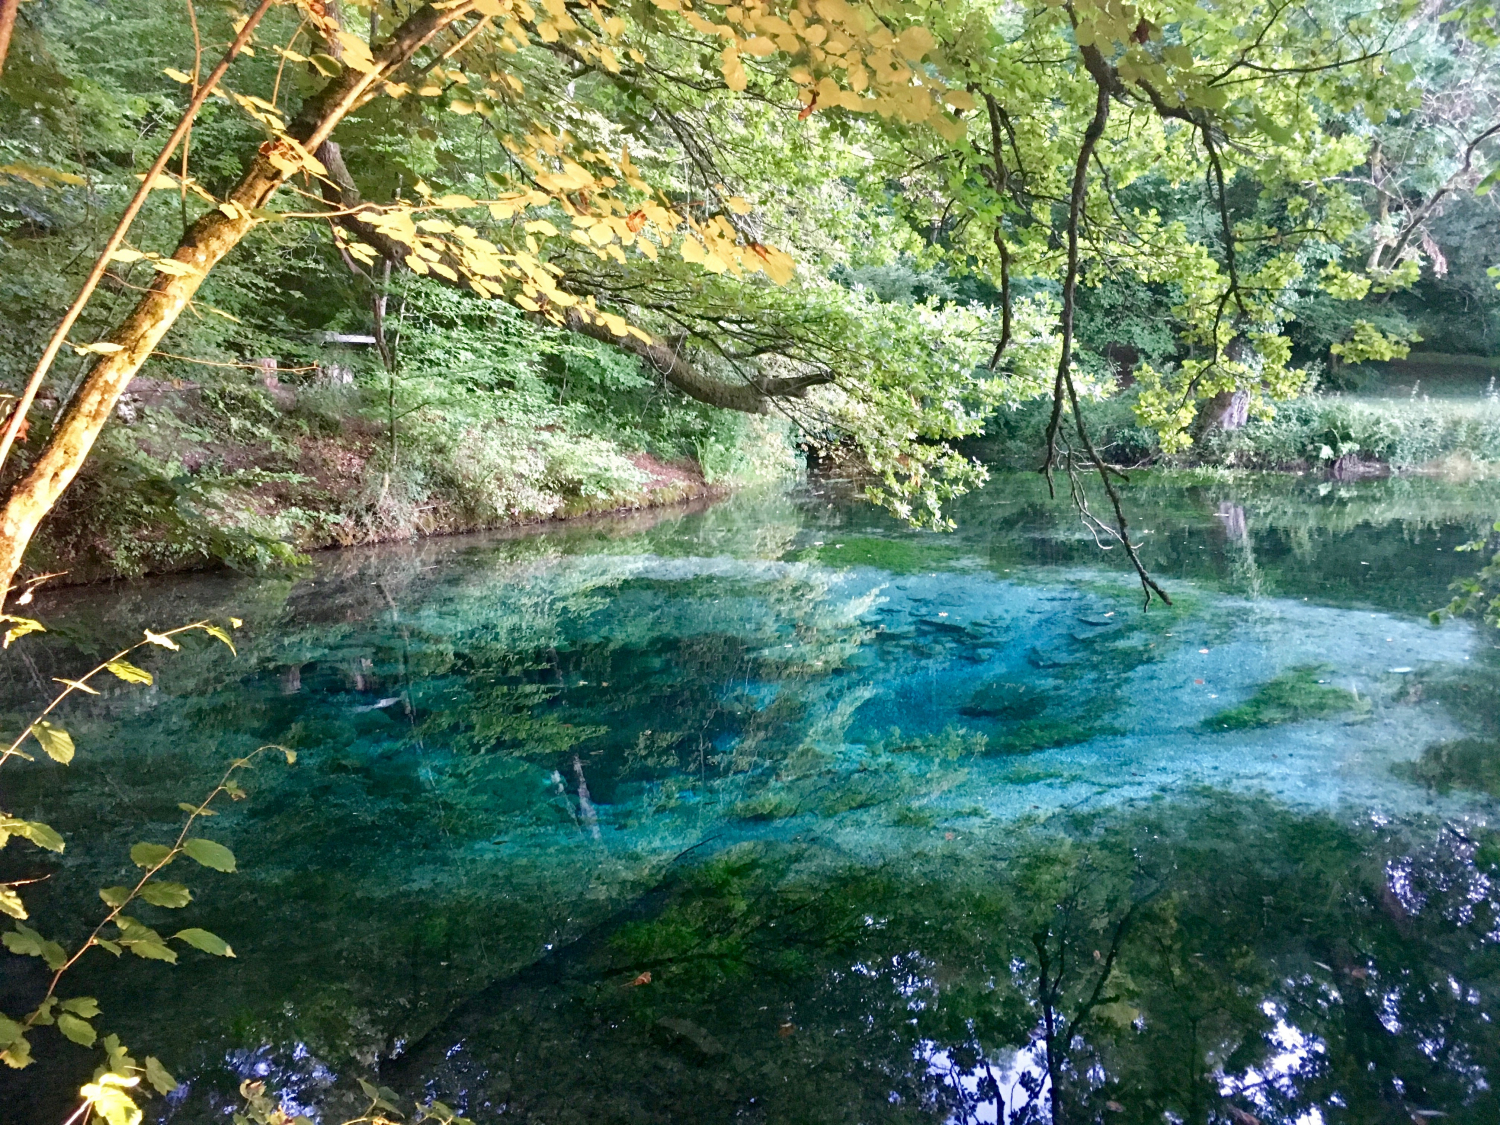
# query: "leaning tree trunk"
[202,247]
[8,10]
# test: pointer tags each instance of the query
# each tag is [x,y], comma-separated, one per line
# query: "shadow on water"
[777,811]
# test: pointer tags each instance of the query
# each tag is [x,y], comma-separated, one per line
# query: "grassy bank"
[1407,421]
[489,425]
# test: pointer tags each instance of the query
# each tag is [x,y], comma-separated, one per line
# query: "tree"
[964,98]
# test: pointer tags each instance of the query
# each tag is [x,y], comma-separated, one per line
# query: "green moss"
[1292,697]
[1046,734]
[899,556]
[765,806]
[1031,775]
[1464,763]
[1002,699]
[909,817]
[952,744]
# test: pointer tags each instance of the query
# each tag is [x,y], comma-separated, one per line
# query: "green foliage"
[111,1094]
[1478,594]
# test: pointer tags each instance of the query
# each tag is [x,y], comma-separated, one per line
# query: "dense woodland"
[455,266]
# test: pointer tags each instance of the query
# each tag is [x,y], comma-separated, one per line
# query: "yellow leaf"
[159,639]
[103,347]
[172,267]
[915,42]
[178,76]
[737,205]
[38,176]
[356,52]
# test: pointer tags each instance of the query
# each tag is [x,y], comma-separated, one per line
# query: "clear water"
[902,826]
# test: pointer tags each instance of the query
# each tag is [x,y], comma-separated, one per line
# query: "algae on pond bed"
[1294,696]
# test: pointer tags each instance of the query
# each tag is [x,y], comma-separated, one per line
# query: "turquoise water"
[780,812]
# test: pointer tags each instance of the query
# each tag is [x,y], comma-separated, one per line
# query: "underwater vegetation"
[1294,696]
[667,822]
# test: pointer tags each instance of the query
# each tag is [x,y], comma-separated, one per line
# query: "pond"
[777,811]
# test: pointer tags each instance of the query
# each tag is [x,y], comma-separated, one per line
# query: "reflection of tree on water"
[1244,573]
[1218,963]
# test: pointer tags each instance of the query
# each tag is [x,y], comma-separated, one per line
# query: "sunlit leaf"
[115,897]
[10,903]
[202,939]
[20,627]
[76,685]
[107,1098]
[165,642]
[129,672]
[42,835]
[215,631]
[55,741]
[210,854]
[85,1006]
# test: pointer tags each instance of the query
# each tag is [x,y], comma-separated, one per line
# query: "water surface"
[780,812]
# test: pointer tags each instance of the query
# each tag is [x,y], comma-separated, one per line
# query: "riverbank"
[1398,429]
[177,484]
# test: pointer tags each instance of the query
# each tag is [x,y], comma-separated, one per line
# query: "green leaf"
[129,672]
[56,741]
[85,1006]
[143,941]
[80,1031]
[202,939]
[115,897]
[10,903]
[189,807]
[156,1074]
[210,854]
[151,950]
[328,66]
[17,1055]
[10,1031]
[149,855]
[28,943]
[170,895]
[35,831]
[111,946]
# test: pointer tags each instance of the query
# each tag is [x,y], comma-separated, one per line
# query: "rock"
[1003,699]
[1039,659]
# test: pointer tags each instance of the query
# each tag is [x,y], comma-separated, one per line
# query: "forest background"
[1245,258]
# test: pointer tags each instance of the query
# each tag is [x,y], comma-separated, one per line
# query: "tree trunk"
[202,247]
[340,191]
[8,10]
